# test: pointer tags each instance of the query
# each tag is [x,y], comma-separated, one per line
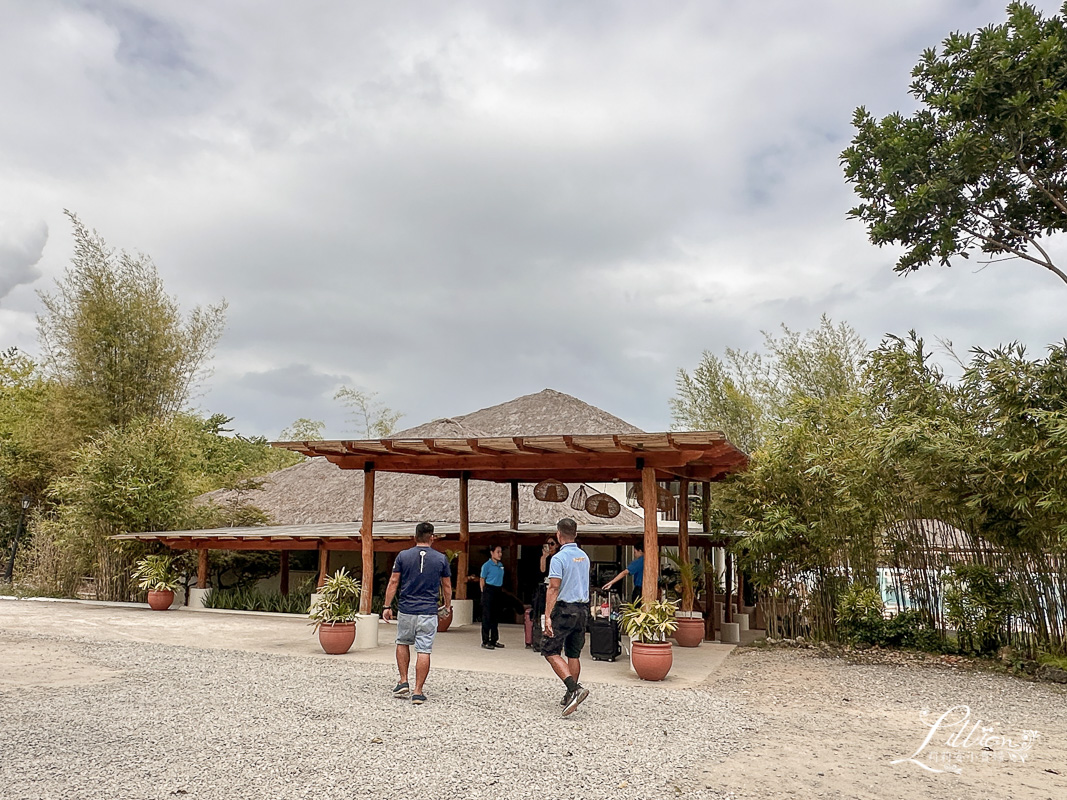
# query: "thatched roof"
[317,491]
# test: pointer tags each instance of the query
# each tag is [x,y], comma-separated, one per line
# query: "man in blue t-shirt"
[420,572]
[635,568]
[567,613]
[492,582]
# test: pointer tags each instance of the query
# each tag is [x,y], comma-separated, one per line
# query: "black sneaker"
[576,700]
[567,695]
[487,646]
[418,699]
[497,644]
[401,690]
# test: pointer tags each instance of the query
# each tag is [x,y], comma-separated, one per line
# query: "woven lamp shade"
[551,491]
[664,499]
[633,495]
[578,499]
[603,505]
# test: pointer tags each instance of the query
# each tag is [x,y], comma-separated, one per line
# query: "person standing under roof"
[420,572]
[567,613]
[635,568]
[492,583]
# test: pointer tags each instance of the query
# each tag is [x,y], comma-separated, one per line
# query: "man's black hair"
[567,527]
[423,532]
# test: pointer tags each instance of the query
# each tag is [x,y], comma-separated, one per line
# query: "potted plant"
[690,631]
[648,625]
[157,575]
[333,614]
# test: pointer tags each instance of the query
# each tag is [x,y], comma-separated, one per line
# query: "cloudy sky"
[454,204]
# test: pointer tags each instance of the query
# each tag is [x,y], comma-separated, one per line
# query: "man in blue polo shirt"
[492,581]
[420,572]
[567,613]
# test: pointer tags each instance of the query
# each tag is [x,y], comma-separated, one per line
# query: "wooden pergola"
[644,458]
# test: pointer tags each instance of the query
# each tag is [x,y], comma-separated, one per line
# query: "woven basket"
[603,505]
[664,499]
[578,498]
[633,495]
[551,491]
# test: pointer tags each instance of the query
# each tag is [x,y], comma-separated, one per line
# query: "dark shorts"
[569,621]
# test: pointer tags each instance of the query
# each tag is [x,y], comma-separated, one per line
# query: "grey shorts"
[416,629]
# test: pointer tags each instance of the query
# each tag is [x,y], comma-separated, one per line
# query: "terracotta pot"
[336,637]
[160,601]
[443,623]
[651,662]
[690,631]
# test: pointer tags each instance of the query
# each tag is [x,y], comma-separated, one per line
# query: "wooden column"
[283,579]
[514,505]
[728,600]
[711,575]
[324,564]
[201,569]
[683,539]
[366,535]
[463,566]
[513,548]
[650,581]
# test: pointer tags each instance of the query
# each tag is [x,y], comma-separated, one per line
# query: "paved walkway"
[290,634]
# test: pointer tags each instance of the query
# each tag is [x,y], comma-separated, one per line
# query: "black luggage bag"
[605,643]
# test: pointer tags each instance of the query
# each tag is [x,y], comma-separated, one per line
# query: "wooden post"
[683,539]
[650,580]
[366,535]
[324,564]
[710,618]
[462,565]
[728,614]
[513,548]
[514,505]
[283,580]
[201,569]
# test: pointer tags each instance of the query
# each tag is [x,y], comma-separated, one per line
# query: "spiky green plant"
[338,600]
[649,622]
[156,574]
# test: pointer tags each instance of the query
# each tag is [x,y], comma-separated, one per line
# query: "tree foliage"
[746,394]
[370,418]
[114,338]
[982,165]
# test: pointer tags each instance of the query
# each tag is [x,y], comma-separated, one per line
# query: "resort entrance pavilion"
[644,460]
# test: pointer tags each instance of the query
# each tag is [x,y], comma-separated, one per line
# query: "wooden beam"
[283,578]
[366,535]
[462,565]
[650,581]
[683,539]
[201,569]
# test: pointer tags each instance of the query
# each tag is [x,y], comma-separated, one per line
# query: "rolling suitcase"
[605,643]
[528,625]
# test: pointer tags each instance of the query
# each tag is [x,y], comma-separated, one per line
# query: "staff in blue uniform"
[636,568]
[492,579]
[567,613]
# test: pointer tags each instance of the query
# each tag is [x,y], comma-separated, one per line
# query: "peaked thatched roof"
[318,491]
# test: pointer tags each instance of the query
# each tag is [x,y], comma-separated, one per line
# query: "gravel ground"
[132,721]
[832,726]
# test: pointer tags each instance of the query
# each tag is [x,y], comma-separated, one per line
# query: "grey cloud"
[21,248]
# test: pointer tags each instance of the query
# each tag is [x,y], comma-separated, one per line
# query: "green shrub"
[977,603]
[250,599]
[860,615]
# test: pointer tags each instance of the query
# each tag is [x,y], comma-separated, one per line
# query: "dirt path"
[831,729]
